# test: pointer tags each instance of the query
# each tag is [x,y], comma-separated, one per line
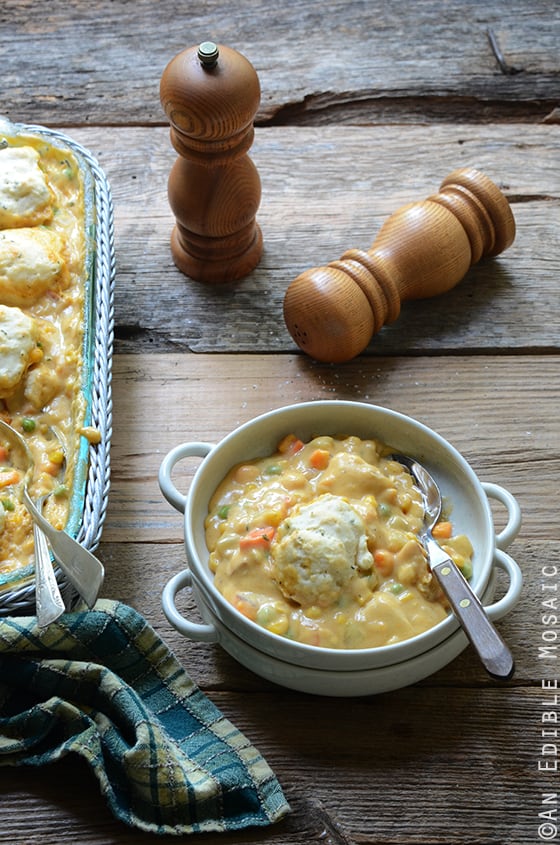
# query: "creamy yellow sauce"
[43,277]
[319,543]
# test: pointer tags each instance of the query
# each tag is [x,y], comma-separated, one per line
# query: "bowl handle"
[193,630]
[184,450]
[507,602]
[506,536]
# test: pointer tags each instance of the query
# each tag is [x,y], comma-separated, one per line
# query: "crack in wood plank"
[367,107]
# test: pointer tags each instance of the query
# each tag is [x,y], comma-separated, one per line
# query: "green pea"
[384,510]
[223,511]
[467,569]
[8,504]
[265,614]
[28,424]
[273,469]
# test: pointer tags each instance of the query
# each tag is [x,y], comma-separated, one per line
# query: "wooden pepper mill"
[210,95]
[422,250]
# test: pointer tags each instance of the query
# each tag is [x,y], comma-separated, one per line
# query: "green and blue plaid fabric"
[102,684]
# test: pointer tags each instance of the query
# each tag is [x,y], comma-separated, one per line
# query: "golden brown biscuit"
[31,263]
[25,197]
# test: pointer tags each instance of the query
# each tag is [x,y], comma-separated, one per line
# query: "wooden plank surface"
[500,412]
[337,794]
[344,786]
[324,191]
[344,766]
[480,415]
[342,61]
[365,106]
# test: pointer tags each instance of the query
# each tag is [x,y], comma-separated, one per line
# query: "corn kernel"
[92,434]
[405,503]
[279,626]
[56,456]
[246,472]
[273,518]
[36,355]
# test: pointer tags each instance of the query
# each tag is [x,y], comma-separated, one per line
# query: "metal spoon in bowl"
[491,649]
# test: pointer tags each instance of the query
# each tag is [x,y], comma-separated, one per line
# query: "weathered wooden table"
[365,106]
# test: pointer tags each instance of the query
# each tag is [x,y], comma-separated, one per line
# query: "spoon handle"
[49,602]
[485,639]
[80,566]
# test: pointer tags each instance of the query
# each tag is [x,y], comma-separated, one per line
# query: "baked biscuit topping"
[25,197]
[319,550]
[18,347]
[30,264]
[44,271]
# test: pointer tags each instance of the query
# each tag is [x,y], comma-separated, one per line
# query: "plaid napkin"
[102,684]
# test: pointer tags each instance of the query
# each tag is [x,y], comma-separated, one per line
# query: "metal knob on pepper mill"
[210,95]
[422,250]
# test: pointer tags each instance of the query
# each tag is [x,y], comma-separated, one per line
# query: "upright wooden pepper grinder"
[210,95]
[424,249]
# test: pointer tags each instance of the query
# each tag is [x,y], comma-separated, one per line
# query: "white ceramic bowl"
[337,671]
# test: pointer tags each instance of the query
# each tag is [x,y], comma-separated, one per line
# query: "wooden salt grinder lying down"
[422,250]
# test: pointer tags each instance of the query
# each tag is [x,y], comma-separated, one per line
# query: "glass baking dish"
[91,475]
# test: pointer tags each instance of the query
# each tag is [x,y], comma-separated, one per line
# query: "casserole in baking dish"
[56,323]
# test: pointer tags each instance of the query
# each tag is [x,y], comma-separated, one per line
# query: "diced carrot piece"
[290,444]
[384,561]
[4,453]
[257,538]
[245,607]
[319,459]
[9,478]
[285,443]
[50,467]
[442,531]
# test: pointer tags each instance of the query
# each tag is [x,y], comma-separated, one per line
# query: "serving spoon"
[485,639]
[84,571]
[48,599]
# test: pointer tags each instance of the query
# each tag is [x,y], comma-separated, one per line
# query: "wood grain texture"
[365,106]
[423,250]
[348,781]
[343,766]
[314,207]
[358,62]
[500,412]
